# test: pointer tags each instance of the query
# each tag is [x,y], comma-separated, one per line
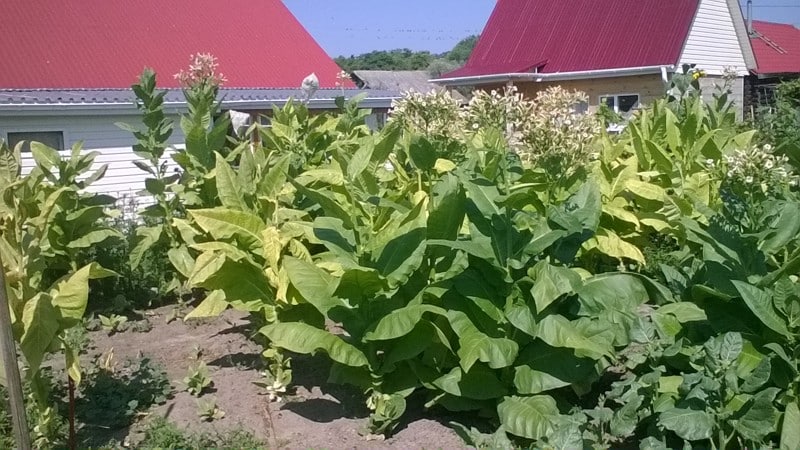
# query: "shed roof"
[107,43]
[554,36]
[777,48]
[14,101]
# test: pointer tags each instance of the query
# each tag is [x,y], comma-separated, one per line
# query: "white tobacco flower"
[748,179]
[767,147]
[388,166]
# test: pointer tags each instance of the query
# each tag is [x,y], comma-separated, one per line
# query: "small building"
[619,52]
[68,67]
[777,51]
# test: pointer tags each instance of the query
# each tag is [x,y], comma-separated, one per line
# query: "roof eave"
[77,109]
[557,76]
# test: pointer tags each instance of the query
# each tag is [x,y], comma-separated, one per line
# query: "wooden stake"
[13,382]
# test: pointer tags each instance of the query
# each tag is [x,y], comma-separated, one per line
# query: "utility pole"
[13,382]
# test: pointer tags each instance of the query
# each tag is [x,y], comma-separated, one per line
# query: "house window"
[52,139]
[621,103]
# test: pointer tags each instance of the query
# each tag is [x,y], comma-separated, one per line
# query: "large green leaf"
[760,303]
[45,157]
[206,266]
[71,293]
[211,306]
[223,223]
[40,327]
[557,331]
[305,339]
[618,291]
[145,238]
[688,424]
[359,283]
[476,346]
[181,260]
[271,184]
[231,193]
[547,368]
[479,383]
[314,284]
[449,208]
[245,286]
[551,282]
[790,429]
[758,420]
[400,322]
[529,417]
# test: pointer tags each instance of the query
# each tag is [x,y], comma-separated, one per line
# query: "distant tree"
[406,59]
[460,53]
[398,59]
[441,66]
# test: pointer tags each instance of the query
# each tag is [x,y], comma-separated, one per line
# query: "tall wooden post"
[13,382]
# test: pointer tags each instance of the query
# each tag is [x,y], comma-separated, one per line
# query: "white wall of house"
[98,133]
[95,131]
[714,43]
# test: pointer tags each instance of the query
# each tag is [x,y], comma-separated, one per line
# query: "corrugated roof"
[103,97]
[107,43]
[579,35]
[777,47]
[401,81]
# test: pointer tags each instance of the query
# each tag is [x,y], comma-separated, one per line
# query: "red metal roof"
[777,47]
[580,35]
[107,43]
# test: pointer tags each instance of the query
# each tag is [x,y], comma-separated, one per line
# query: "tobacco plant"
[47,221]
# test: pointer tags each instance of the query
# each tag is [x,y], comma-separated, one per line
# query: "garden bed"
[314,415]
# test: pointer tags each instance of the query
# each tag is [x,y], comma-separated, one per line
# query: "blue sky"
[345,27]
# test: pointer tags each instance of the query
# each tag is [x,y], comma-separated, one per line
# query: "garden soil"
[314,415]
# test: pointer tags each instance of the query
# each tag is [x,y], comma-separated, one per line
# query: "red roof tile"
[580,35]
[777,47]
[107,43]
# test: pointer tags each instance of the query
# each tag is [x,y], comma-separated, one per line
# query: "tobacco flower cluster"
[435,114]
[202,71]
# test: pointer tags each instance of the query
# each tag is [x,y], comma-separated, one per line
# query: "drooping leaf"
[314,284]
[476,346]
[479,383]
[557,331]
[760,303]
[688,424]
[790,429]
[40,327]
[145,238]
[231,193]
[211,306]
[758,420]
[529,417]
[305,339]
[224,224]
[550,283]
[400,322]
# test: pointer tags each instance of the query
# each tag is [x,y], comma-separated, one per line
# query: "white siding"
[122,178]
[98,133]
[713,43]
[94,131]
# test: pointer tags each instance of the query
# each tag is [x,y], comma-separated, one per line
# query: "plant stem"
[9,358]
[71,387]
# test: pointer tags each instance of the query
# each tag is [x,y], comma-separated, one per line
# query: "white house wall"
[95,131]
[98,133]
[713,43]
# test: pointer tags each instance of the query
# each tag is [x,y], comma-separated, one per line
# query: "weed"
[208,410]
[161,433]
[114,323]
[113,398]
[198,379]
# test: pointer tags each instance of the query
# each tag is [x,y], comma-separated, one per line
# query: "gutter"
[544,77]
[83,109]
